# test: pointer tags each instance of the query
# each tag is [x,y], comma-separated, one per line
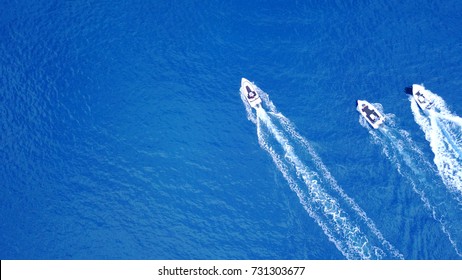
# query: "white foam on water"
[455,119]
[332,183]
[282,167]
[451,128]
[324,208]
[309,185]
[409,160]
[445,141]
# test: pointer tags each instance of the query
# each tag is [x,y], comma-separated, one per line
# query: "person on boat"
[251,94]
[371,114]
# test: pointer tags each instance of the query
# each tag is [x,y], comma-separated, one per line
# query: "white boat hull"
[249,91]
[420,95]
[370,113]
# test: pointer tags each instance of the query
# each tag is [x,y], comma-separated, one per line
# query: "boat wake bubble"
[398,146]
[443,130]
[344,223]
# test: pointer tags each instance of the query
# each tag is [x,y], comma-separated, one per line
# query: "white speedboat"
[370,113]
[249,91]
[421,97]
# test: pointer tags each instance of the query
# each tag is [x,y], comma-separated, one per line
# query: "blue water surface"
[123,135]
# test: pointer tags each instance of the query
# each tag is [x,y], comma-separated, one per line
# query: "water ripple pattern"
[122,137]
[342,220]
[443,130]
[408,159]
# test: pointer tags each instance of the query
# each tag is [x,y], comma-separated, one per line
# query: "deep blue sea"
[123,134]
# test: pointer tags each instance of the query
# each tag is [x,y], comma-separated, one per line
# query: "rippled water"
[123,135]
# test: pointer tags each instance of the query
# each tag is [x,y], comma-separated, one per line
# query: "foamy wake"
[336,213]
[409,160]
[443,130]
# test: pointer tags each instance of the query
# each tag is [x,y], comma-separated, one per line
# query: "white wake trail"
[451,128]
[332,183]
[410,162]
[342,220]
[334,221]
[282,167]
[412,165]
[445,140]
